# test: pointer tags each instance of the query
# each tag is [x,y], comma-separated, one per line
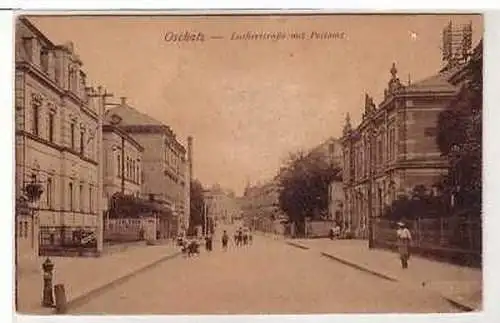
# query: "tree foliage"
[421,203]
[130,206]
[196,204]
[304,182]
[460,137]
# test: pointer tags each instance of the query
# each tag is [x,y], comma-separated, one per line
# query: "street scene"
[249,164]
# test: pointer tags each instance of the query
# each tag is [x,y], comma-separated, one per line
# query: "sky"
[249,103]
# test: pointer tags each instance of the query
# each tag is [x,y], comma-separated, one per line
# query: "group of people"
[191,246]
[241,237]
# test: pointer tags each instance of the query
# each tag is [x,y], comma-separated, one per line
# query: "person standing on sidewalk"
[404,242]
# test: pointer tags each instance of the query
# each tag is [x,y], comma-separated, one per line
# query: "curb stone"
[297,245]
[82,299]
[354,265]
[458,304]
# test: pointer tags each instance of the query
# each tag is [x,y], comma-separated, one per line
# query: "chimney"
[123,100]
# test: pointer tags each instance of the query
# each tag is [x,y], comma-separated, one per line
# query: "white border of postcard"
[491,175]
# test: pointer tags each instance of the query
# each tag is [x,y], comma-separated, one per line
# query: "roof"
[131,116]
[106,127]
[436,83]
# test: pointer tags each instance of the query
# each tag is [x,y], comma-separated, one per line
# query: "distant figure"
[208,243]
[193,248]
[240,237]
[336,231]
[404,241]
[225,239]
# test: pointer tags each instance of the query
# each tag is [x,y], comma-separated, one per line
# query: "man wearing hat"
[404,241]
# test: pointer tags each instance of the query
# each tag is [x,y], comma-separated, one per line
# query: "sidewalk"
[83,277]
[459,285]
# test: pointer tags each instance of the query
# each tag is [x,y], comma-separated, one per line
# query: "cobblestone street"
[269,277]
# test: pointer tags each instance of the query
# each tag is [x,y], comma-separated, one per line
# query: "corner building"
[394,147]
[57,138]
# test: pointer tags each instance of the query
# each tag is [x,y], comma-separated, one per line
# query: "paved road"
[268,277]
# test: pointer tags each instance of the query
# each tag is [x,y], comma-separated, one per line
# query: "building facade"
[394,147]
[260,206]
[57,138]
[221,206]
[331,149]
[122,163]
[164,163]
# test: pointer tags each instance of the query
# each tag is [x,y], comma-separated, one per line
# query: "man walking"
[225,239]
[404,241]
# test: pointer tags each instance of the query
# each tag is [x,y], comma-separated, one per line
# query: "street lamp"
[33,191]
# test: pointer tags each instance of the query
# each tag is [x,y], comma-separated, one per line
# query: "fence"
[123,230]
[67,241]
[456,238]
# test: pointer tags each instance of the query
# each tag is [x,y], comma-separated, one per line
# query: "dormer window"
[44,60]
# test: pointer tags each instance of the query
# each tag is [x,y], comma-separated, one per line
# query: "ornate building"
[165,169]
[394,148]
[58,140]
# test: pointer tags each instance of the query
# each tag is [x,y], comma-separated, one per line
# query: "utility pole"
[101,96]
[123,165]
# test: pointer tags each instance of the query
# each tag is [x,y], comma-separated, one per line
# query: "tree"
[196,205]
[304,183]
[460,138]
[421,203]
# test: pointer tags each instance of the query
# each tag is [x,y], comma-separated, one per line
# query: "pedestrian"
[207,243]
[404,242]
[225,239]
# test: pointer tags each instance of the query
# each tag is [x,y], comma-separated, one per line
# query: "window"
[70,196]
[128,168]
[49,193]
[91,208]
[380,152]
[44,60]
[133,170]
[119,166]
[51,127]
[28,47]
[137,174]
[82,145]
[72,134]
[25,224]
[72,79]
[36,118]
[20,232]
[392,143]
[81,198]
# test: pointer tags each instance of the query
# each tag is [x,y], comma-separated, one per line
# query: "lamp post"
[33,191]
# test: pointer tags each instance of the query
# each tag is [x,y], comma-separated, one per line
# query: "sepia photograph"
[248,163]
